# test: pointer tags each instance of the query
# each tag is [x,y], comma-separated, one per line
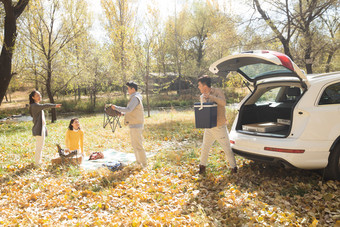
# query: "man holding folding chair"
[134,117]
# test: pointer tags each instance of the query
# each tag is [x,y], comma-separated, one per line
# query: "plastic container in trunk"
[264,127]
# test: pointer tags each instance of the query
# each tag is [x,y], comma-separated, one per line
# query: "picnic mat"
[110,156]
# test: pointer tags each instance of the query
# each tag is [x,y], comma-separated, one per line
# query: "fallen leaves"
[169,192]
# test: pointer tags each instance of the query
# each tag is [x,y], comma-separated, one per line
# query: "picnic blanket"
[111,156]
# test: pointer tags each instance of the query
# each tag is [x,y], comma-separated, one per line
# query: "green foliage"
[171,103]
[85,106]
[15,111]
[171,100]
[120,101]
[234,80]
[235,95]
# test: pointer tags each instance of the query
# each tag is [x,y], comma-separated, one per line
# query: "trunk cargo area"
[266,120]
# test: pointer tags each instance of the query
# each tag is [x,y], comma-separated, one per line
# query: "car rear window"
[331,95]
[257,70]
[269,96]
[284,94]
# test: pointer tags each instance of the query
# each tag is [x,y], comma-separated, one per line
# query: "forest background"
[81,53]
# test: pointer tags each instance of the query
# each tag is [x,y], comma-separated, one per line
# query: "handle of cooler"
[201,99]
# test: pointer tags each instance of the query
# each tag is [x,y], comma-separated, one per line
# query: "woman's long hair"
[70,126]
[30,97]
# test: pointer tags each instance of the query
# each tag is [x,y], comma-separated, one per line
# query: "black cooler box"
[207,116]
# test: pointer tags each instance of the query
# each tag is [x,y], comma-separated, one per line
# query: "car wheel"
[332,171]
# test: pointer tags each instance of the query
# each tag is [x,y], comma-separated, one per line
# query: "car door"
[324,117]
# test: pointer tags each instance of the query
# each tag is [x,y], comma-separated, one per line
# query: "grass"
[161,130]
[4,113]
[169,192]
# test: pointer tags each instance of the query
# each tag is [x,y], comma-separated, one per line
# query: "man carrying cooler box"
[220,132]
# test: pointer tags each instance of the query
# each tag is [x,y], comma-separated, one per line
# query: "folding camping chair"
[111,117]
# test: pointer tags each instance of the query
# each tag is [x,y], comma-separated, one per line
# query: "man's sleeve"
[219,98]
[131,106]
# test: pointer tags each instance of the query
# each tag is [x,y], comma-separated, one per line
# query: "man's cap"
[132,84]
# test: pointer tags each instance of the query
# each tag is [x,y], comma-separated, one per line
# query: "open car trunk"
[278,85]
[269,110]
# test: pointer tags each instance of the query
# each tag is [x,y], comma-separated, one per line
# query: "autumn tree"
[225,39]
[96,68]
[148,40]
[306,14]
[12,12]
[119,15]
[280,21]
[295,19]
[162,57]
[204,22]
[331,24]
[53,25]
[177,32]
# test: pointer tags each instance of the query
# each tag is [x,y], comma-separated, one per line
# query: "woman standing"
[39,129]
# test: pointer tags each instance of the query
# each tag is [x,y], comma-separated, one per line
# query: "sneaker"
[202,170]
[234,170]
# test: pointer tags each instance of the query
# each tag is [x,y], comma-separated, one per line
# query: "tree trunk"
[308,60]
[286,48]
[179,91]
[79,94]
[49,90]
[200,51]
[147,82]
[165,75]
[7,51]
[123,59]
[94,98]
[94,92]
[309,68]
[53,111]
[329,60]
[91,97]
[10,35]
[279,34]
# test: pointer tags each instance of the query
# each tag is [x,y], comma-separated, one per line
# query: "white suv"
[288,118]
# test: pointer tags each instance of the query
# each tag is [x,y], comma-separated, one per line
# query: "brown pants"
[220,134]
[137,145]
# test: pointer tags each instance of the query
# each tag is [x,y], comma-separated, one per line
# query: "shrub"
[13,111]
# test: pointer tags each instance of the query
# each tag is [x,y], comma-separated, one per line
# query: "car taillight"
[232,141]
[285,60]
[284,150]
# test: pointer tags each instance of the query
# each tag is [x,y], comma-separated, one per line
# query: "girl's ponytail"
[30,97]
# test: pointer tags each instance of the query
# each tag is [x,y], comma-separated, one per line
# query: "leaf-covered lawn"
[169,192]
